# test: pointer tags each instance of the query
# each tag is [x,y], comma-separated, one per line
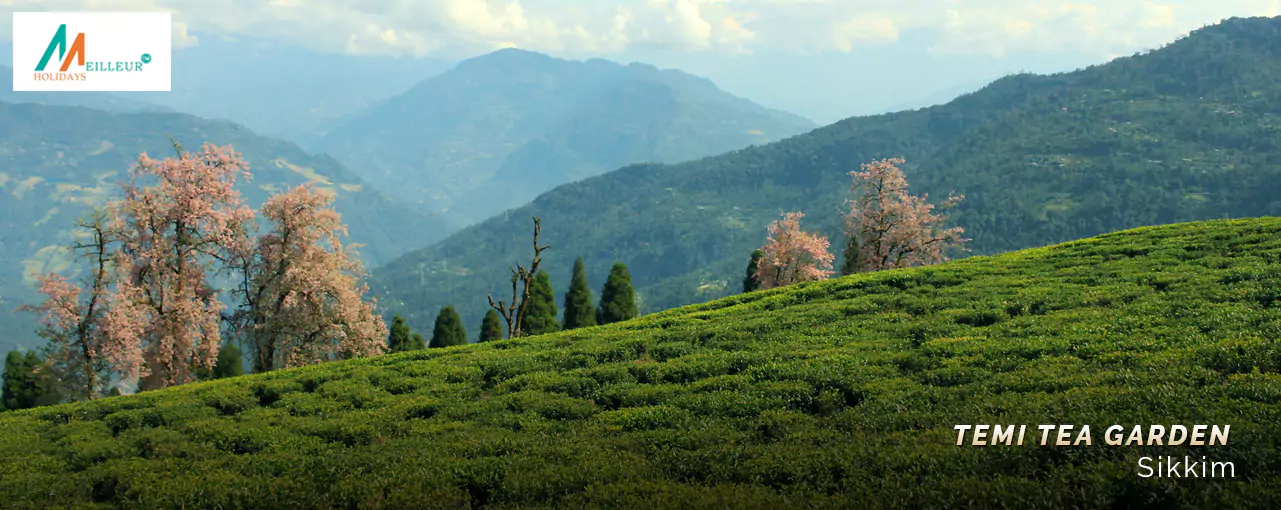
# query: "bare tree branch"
[514,311]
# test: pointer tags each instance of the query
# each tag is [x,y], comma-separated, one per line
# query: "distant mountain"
[1191,131]
[497,130]
[57,161]
[281,90]
[98,100]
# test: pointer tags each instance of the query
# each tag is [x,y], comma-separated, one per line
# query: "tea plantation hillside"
[825,395]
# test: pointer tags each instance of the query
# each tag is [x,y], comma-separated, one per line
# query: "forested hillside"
[1189,131]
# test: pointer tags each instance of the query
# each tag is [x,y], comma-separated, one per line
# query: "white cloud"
[860,30]
[181,39]
[1000,27]
[461,28]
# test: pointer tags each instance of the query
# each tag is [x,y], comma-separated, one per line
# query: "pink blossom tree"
[302,290]
[792,255]
[181,219]
[83,352]
[889,228]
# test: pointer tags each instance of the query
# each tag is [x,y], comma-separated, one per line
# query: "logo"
[59,43]
[92,51]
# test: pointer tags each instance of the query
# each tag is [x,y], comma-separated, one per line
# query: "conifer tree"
[540,317]
[449,329]
[580,312]
[850,263]
[400,338]
[749,280]
[230,364]
[490,327]
[28,382]
[617,299]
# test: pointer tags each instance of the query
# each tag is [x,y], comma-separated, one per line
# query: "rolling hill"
[57,161]
[497,130]
[820,395]
[1190,131]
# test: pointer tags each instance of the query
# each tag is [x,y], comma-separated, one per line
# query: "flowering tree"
[791,255]
[148,314]
[302,290]
[82,352]
[889,228]
[180,218]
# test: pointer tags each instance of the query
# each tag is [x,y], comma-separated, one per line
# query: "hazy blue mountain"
[497,130]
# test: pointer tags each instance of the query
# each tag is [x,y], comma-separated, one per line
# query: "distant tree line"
[539,315]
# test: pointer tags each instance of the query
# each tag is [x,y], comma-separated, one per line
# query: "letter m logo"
[59,43]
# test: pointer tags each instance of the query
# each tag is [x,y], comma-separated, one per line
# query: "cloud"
[871,31]
[462,28]
[1000,27]
[181,39]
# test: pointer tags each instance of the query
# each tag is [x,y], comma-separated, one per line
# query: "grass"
[826,395]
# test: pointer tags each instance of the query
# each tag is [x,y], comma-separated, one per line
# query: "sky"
[825,59]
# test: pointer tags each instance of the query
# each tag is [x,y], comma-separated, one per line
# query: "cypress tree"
[579,310]
[449,329]
[24,385]
[851,255]
[617,299]
[400,338]
[540,316]
[749,280]
[491,328]
[230,364]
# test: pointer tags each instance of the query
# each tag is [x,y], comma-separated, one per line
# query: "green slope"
[1189,132]
[496,130]
[826,395]
[57,161]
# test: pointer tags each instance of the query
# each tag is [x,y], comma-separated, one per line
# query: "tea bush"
[834,394]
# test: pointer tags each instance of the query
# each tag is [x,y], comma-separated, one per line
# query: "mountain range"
[273,88]
[497,130]
[1190,131]
[57,161]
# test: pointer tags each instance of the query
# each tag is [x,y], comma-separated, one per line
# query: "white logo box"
[100,51]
